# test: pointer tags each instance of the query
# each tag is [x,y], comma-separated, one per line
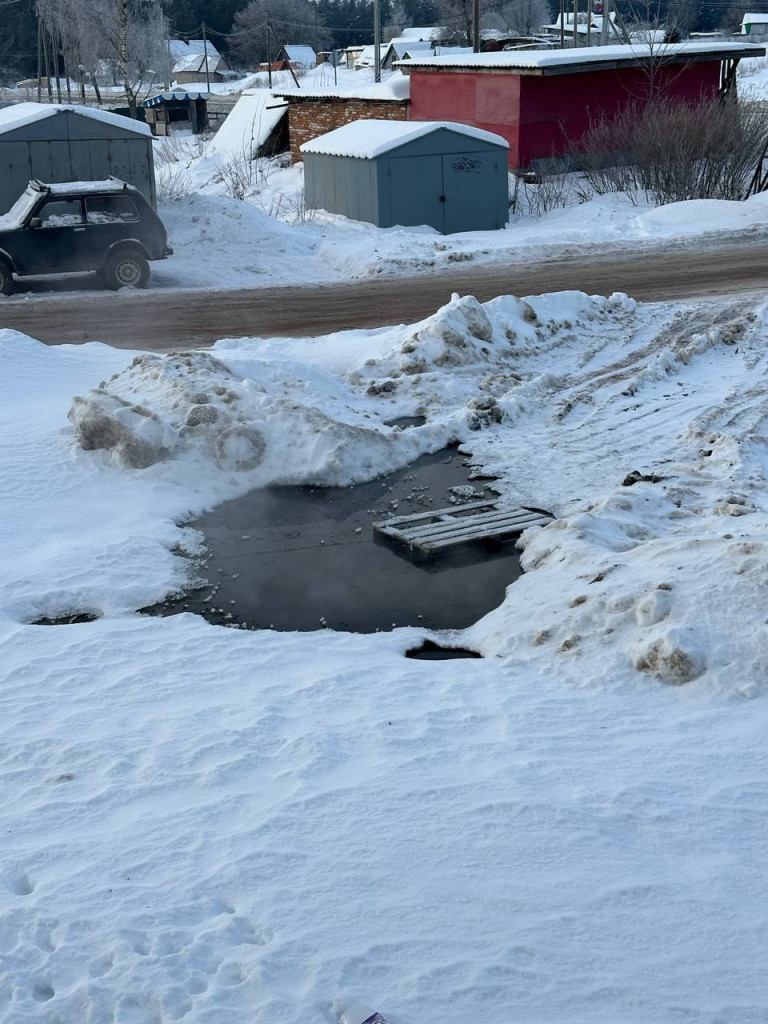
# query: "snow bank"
[203,823]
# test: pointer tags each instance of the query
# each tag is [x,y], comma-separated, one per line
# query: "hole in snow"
[430,651]
[66,620]
[304,558]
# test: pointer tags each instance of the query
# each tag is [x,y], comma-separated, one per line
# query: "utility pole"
[269,51]
[562,24]
[589,22]
[604,24]
[376,40]
[575,23]
[205,51]
[39,58]
[476,26]
[47,66]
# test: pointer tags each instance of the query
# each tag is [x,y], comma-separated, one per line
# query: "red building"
[543,101]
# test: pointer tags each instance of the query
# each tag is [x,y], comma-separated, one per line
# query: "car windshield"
[18,212]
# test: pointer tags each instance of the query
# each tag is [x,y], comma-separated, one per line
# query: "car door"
[110,219]
[58,242]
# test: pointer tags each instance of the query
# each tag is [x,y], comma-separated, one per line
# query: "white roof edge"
[555,58]
[19,115]
[368,139]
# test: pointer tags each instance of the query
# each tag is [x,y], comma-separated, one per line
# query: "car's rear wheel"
[7,284]
[126,269]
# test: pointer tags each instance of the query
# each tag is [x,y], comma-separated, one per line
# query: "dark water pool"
[301,558]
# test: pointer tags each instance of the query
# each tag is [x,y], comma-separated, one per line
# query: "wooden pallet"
[430,533]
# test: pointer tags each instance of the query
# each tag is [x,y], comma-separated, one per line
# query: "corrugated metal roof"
[20,114]
[366,140]
[581,57]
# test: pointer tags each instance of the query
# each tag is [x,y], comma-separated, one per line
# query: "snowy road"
[164,320]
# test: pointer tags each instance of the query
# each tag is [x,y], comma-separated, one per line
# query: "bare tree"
[398,20]
[519,17]
[130,36]
[456,21]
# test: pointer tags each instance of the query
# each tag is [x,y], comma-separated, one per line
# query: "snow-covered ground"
[753,78]
[214,825]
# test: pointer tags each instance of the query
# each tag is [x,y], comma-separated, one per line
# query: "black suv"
[80,226]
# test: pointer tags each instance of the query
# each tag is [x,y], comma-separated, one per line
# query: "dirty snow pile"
[207,824]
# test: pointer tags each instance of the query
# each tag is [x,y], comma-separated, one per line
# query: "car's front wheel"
[7,284]
[126,269]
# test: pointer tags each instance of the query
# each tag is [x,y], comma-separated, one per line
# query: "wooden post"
[205,51]
[562,24]
[47,61]
[589,22]
[476,26]
[269,51]
[575,22]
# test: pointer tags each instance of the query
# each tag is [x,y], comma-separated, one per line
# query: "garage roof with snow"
[585,58]
[22,114]
[366,140]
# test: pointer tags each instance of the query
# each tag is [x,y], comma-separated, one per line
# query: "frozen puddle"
[300,558]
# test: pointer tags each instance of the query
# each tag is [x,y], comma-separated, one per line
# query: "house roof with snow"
[366,140]
[19,115]
[755,19]
[415,34]
[303,55]
[587,58]
[196,62]
[191,47]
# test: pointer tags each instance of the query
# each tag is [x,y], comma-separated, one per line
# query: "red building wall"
[489,101]
[543,115]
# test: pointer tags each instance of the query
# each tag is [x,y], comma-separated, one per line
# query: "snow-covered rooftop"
[21,114]
[366,140]
[248,125]
[301,55]
[755,19]
[179,48]
[551,61]
[396,86]
[197,61]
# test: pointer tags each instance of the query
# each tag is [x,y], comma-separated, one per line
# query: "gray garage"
[450,176]
[71,143]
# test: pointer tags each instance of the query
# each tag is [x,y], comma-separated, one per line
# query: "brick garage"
[311,116]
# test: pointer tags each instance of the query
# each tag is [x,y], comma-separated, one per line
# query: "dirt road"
[162,320]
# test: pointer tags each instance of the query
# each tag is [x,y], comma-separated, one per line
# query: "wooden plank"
[490,519]
[465,538]
[430,513]
[437,529]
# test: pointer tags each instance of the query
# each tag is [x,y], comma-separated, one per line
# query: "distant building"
[196,61]
[544,101]
[588,31]
[71,143]
[755,25]
[385,172]
[317,111]
[301,58]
